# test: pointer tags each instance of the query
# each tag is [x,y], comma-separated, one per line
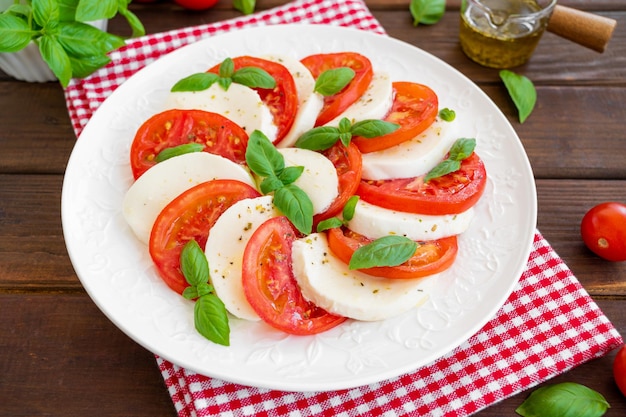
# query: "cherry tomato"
[347,162]
[336,104]
[191,216]
[619,369]
[282,100]
[170,128]
[414,108]
[450,194]
[603,230]
[430,257]
[196,4]
[270,286]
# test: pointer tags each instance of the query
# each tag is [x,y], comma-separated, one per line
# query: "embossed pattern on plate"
[116,270]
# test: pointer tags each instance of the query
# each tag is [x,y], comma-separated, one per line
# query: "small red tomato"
[603,230]
[196,4]
[619,369]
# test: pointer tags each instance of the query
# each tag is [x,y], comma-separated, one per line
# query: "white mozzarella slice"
[375,103]
[375,222]
[319,179]
[309,102]
[412,158]
[224,251]
[164,181]
[330,284]
[239,103]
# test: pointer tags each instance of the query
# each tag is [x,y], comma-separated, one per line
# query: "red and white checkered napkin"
[548,325]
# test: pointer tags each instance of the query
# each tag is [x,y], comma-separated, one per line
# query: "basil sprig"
[347,215]
[266,162]
[389,250]
[334,80]
[566,399]
[427,12]
[323,137]
[252,77]
[210,316]
[461,149]
[522,92]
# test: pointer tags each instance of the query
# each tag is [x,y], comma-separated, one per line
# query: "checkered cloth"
[548,325]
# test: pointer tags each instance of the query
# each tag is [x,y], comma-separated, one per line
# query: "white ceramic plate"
[116,270]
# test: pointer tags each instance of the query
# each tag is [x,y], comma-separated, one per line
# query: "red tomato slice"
[336,104]
[450,194]
[191,216]
[347,162]
[170,128]
[430,257]
[414,108]
[270,286]
[282,100]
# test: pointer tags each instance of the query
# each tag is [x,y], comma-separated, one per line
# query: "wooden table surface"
[60,356]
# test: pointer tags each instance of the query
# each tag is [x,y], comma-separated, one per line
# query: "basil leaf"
[262,157]
[373,128]
[90,10]
[385,251]
[55,56]
[444,167]
[290,174]
[462,148]
[318,139]
[254,78]
[83,40]
[193,264]
[224,82]
[204,288]
[334,80]
[46,13]
[427,12]
[350,207]
[196,82]
[226,69]
[244,6]
[67,10]
[567,399]
[329,223]
[84,66]
[190,293]
[345,125]
[211,319]
[296,205]
[19,9]
[168,153]
[15,33]
[447,115]
[522,92]
[132,19]
[270,184]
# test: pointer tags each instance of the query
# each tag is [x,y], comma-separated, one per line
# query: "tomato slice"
[281,100]
[450,194]
[270,286]
[336,104]
[414,108]
[216,133]
[191,216]
[430,257]
[347,162]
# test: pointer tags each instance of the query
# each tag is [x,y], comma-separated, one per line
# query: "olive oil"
[501,33]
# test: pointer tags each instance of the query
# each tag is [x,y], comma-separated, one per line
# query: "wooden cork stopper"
[586,29]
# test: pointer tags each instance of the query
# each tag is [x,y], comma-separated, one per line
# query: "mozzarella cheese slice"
[412,158]
[375,103]
[239,103]
[164,181]
[310,103]
[330,284]
[224,251]
[375,222]
[318,180]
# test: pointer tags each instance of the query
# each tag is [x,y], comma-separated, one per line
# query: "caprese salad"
[300,192]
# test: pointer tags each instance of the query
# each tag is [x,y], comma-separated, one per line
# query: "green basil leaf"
[290,174]
[132,19]
[55,56]
[373,128]
[168,153]
[190,293]
[566,399]
[318,139]
[83,40]
[329,223]
[15,33]
[350,207]
[254,78]
[204,288]
[84,66]
[270,184]
[224,82]
[90,10]
[193,264]
[384,251]
[244,6]
[334,80]
[345,138]
[345,125]
[46,13]
[444,167]
[19,10]
[196,82]
[462,149]
[67,10]
[522,92]
[226,69]
[296,205]
[211,319]
[262,157]
[427,12]
[447,115]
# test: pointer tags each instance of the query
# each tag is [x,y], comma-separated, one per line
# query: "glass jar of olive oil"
[502,33]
